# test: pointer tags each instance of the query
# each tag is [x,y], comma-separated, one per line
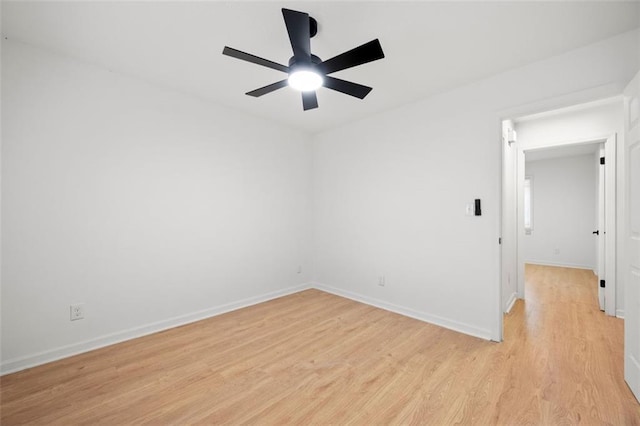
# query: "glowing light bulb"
[305,80]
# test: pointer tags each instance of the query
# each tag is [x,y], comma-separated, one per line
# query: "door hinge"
[601,160]
[602,285]
[499,240]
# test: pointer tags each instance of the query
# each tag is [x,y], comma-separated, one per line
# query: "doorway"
[571,131]
[564,209]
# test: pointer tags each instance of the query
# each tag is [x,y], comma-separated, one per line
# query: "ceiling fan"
[307,72]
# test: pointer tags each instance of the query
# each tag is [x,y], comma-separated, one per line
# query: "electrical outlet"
[556,251]
[77,311]
[299,269]
[381,281]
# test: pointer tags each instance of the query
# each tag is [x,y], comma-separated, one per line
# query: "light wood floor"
[314,358]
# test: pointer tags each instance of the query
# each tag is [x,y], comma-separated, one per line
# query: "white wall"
[563,212]
[597,121]
[151,207]
[391,189]
[594,122]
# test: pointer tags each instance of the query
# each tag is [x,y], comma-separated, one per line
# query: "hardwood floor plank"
[315,358]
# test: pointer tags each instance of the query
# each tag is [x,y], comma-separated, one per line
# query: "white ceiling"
[430,47]
[573,150]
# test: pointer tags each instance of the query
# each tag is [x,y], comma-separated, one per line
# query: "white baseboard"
[408,312]
[559,264]
[17,364]
[511,302]
[632,372]
[620,313]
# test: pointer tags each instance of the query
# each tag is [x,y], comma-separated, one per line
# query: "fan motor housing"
[315,60]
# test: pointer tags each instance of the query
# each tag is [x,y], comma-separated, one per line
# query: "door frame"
[601,224]
[592,94]
[630,266]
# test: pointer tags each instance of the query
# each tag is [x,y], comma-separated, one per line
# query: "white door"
[606,232]
[600,229]
[632,236]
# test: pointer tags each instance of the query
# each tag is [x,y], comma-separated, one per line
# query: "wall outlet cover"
[76,311]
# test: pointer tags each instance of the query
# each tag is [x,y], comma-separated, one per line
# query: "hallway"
[567,355]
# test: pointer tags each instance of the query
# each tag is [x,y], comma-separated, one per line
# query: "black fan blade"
[234,53]
[298,28]
[309,100]
[367,52]
[347,87]
[267,89]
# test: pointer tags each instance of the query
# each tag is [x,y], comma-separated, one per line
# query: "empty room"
[320,212]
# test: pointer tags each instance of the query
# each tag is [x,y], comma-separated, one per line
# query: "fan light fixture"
[307,72]
[305,80]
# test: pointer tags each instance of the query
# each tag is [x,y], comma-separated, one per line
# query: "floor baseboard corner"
[511,302]
[437,320]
